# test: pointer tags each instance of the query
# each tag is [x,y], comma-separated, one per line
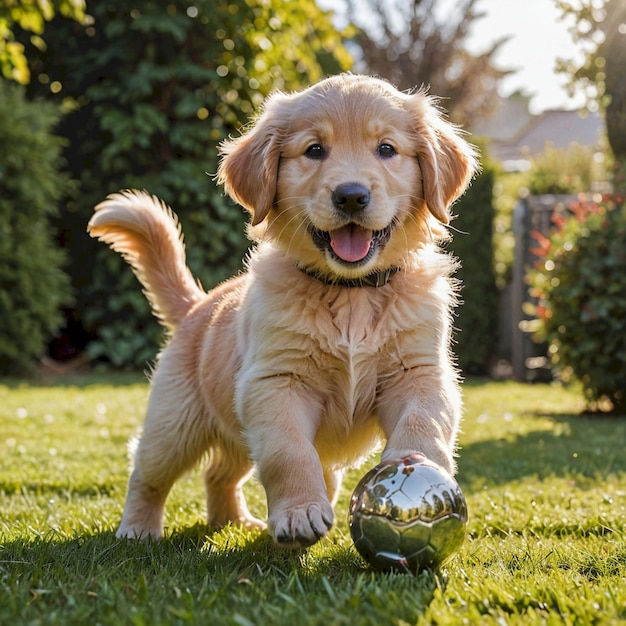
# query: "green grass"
[546,491]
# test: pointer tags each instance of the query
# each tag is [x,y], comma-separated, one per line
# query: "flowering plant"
[578,285]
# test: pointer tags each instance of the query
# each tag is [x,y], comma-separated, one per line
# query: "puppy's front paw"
[129,531]
[301,526]
[440,455]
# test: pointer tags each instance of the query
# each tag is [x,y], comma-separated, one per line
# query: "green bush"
[558,171]
[473,244]
[33,286]
[152,89]
[580,286]
[553,171]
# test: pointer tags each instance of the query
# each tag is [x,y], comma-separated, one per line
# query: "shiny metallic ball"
[407,514]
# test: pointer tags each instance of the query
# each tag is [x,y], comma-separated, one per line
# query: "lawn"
[545,487]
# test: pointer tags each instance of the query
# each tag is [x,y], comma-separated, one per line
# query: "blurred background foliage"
[140,95]
[148,90]
[429,49]
[579,285]
[29,16]
[34,285]
[476,341]
[600,31]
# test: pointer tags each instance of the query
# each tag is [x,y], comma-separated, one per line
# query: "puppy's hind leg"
[173,441]
[333,479]
[229,468]
[143,511]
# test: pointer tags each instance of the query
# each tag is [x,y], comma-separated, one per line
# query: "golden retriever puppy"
[335,339]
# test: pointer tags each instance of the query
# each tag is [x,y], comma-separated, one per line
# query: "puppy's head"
[348,176]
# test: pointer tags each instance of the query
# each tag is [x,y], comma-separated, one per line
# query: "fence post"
[532,213]
[518,290]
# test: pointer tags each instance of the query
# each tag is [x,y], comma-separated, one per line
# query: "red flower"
[558,220]
[543,244]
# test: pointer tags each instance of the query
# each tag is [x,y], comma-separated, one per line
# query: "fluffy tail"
[147,234]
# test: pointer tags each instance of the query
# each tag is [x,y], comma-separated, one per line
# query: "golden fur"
[293,367]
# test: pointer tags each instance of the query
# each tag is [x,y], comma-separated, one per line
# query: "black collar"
[375,279]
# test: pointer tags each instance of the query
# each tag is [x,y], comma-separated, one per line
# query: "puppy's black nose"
[351,197]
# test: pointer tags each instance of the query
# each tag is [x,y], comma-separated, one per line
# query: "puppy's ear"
[249,166]
[447,161]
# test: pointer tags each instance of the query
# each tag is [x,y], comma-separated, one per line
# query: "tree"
[422,42]
[150,90]
[600,29]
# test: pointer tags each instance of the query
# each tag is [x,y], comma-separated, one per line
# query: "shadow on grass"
[225,578]
[575,446]
[78,381]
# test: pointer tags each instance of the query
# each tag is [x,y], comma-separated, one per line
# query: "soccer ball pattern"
[407,514]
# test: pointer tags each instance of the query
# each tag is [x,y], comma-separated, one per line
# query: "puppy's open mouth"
[351,244]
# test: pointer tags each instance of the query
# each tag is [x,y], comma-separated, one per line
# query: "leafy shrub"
[554,171]
[152,89]
[33,286]
[558,171]
[473,244]
[580,286]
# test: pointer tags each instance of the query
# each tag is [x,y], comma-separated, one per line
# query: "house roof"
[515,135]
[561,129]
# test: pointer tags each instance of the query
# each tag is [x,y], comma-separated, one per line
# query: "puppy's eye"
[386,151]
[315,151]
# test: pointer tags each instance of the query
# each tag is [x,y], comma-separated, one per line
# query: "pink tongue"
[351,243]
